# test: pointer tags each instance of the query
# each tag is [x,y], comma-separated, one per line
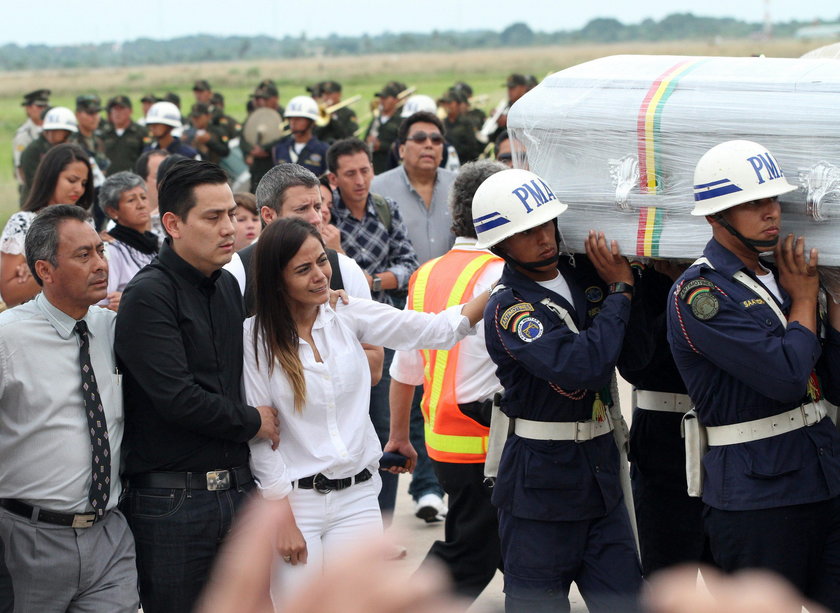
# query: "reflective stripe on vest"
[442,282]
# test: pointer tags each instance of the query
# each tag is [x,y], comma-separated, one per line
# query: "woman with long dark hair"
[63,177]
[306,359]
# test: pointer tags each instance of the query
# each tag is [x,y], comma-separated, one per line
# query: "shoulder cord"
[573,395]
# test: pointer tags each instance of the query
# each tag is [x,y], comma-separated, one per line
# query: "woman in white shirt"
[124,200]
[306,359]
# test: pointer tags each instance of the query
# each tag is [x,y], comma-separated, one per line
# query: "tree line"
[204,48]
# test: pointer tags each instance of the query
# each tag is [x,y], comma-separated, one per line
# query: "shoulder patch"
[510,312]
[697,294]
[529,329]
[594,293]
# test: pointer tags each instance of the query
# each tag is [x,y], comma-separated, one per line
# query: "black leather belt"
[321,484]
[214,480]
[73,520]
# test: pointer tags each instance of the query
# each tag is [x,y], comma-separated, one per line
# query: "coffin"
[618,138]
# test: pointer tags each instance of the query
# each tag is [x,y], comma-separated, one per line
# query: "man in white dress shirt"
[67,547]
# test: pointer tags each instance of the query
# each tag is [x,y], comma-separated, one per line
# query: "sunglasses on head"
[420,137]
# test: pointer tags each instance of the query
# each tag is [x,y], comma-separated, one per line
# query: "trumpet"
[326,112]
[491,124]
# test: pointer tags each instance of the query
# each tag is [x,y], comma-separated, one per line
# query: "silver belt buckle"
[83,521]
[580,433]
[218,480]
[804,409]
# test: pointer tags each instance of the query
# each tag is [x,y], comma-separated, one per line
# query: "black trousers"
[471,551]
[800,542]
[670,524]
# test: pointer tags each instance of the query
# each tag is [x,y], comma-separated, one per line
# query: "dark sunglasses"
[420,137]
[505,157]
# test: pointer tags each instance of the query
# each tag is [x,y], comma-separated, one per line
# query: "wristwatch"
[376,286]
[621,288]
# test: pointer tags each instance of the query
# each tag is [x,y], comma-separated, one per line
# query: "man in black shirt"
[179,343]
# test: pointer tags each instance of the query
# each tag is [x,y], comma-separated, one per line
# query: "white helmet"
[733,173]
[303,106]
[61,118]
[512,201]
[165,113]
[417,103]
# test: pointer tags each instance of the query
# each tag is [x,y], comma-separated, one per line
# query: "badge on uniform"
[511,312]
[594,293]
[697,294]
[529,329]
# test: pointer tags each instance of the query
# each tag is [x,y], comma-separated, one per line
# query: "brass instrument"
[491,124]
[326,112]
[376,111]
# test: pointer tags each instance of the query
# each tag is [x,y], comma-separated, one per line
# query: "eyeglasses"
[505,157]
[420,137]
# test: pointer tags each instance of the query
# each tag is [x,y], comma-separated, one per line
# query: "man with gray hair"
[457,414]
[67,546]
[290,190]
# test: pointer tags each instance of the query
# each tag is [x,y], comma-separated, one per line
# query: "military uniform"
[124,149]
[343,124]
[461,134]
[387,135]
[176,147]
[29,161]
[772,502]
[225,124]
[561,516]
[313,156]
[24,135]
[669,521]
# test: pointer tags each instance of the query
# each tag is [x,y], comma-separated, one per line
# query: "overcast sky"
[58,22]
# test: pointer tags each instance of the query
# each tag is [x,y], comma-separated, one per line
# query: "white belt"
[757,429]
[577,431]
[662,401]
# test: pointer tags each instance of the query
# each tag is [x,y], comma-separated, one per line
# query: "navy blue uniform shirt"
[549,373]
[740,363]
[313,155]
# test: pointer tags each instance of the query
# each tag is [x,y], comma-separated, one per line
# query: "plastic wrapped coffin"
[618,138]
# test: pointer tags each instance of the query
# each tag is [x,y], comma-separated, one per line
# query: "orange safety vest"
[442,282]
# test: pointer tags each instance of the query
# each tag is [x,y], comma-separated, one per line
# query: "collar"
[401,170]
[467,243]
[342,212]
[192,275]
[63,324]
[725,261]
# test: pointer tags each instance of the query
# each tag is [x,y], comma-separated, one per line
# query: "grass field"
[430,73]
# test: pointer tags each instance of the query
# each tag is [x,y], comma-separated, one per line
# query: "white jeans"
[330,523]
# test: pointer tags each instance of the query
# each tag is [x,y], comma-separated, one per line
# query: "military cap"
[217,99]
[119,101]
[88,103]
[40,97]
[390,89]
[330,87]
[464,88]
[150,98]
[173,98]
[202,85]
[199,108]
[532,80]
[266,91]
[516,80]
[316,90]
[453,95]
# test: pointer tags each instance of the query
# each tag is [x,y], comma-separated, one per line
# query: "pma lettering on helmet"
[764,163]
[536,191]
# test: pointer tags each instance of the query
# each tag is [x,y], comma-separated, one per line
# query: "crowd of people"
[181,338]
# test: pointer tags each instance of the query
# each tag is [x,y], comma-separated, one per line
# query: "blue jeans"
[177,533]
[380,415]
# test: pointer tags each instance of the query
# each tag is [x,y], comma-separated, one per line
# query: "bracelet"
[621,288]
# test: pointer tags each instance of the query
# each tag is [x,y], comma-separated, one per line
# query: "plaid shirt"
[374,248]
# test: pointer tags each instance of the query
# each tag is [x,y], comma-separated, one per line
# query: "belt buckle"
[218,480]
[83,521]
[579,433]
[319,484]
[803,409]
